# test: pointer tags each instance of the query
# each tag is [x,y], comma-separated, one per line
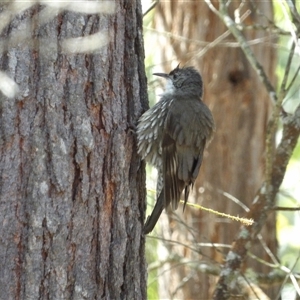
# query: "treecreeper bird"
[172,137]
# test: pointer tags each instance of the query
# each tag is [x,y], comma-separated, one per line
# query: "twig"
[286,208]
[153,4]
[260,207]
[245,221]
[293,79]
[289,22]
[232,26]
[217,42]
[273,122]
[219,39]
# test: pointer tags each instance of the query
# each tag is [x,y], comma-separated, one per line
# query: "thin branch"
[293,79]
[259,236]
[217,42]
[152,6]
[250,289]
[261,206]
[233,27]
[293,33]
[287,69]
[294,12]
[292,276]
[176,243]
[234,199]
[247,222]
[265,198]
[286,208]
[219,39]
[273,122]
[275,277]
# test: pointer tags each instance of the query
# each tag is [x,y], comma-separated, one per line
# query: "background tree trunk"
[234,160]
[71,185]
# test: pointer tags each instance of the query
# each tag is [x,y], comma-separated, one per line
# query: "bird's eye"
[175,76]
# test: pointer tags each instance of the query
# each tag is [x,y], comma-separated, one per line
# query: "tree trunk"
[72,186]
[234,161]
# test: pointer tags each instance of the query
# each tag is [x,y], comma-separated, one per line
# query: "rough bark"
[234,162]
[71,184]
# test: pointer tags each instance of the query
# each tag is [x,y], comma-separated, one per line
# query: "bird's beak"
[161,75]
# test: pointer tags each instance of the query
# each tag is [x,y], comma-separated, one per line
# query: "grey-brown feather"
[172,136]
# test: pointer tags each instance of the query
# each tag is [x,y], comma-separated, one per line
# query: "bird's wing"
[189,124]
[172,186]
[149,131]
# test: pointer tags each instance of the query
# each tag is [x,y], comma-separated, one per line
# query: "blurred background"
[186,250]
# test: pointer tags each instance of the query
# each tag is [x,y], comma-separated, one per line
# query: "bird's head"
[183,82]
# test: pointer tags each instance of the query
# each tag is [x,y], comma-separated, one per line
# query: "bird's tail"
[153,218]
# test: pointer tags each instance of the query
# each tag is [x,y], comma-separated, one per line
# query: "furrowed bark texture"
[71,184]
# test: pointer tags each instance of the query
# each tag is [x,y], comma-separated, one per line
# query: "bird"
[172,136]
